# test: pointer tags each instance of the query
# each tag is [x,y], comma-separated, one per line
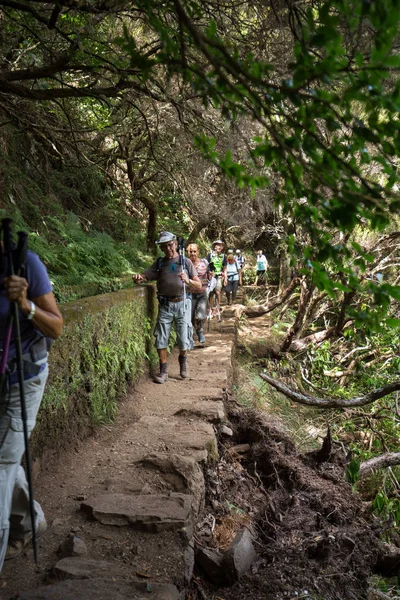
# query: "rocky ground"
[188,495]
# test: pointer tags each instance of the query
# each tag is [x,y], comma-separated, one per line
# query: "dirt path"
[132,492]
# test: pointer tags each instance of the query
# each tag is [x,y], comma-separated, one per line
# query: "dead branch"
[346,372]
[292,300]
[318,337]
[313,338]
[349,370]
[390,459]
[308,382]
[262,309]
[386,355]
[331,402]
[354,350]
[378,595]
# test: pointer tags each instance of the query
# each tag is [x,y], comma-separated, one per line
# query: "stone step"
[78,567]
[147,512]
[182,473]
[195,439]
[209,410]
[214,393]
[102,589]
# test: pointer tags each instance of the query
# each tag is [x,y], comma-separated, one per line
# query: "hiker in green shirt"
[217,261]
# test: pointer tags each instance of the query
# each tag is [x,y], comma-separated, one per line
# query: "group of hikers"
[189,287]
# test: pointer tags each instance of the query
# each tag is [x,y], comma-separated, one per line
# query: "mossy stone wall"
[106,344]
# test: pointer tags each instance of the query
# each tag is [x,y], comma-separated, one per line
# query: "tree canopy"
[317,81]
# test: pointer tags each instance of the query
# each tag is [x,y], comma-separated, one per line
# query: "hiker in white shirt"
[262,266]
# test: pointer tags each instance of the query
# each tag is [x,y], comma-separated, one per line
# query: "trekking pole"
[8,247]
[13,316]
[181,250]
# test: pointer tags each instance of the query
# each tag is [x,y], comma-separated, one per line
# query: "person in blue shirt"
[39,318]
[240,260]
[232,275]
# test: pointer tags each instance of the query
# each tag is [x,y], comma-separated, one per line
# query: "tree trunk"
[313,338]
[151,206]
[151,223]
[312,308]
[200,225]
[295,330]
[284,270]
[333,331]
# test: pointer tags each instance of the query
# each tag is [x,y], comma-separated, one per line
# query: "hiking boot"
[183,366]
[162,376]
[201,337]
[15,547]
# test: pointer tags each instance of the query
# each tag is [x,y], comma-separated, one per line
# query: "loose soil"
[313,536]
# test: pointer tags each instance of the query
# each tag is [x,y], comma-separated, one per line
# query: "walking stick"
[16,261]
[181,250]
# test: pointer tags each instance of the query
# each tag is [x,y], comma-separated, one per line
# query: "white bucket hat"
[166,236]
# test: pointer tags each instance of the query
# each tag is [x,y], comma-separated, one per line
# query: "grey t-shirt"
[168,281]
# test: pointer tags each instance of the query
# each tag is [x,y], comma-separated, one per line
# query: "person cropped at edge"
[232,274]
[240,260]
[171,276]
[39,319]
[261,266]
[199,298]
[217,261]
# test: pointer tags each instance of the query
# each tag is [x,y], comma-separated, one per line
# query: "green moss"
[212,452]
[106,345]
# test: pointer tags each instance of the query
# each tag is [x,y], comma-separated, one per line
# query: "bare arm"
[195,283]
[47,318]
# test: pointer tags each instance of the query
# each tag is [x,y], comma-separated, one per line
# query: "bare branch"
[331,402]
[390,459]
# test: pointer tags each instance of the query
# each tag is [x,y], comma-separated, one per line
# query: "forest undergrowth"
[356,434]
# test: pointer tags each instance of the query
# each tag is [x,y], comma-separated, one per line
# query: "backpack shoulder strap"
[160,263]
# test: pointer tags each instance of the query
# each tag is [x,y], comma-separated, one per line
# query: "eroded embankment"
[311,534]
[314,537]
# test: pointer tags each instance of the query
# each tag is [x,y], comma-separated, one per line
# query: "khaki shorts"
[219,285]
[173,312]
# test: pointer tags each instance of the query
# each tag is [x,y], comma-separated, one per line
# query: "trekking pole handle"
[21,253]
[8,244]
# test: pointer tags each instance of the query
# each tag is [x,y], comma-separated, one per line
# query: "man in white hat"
[172,273]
